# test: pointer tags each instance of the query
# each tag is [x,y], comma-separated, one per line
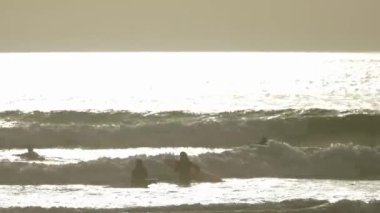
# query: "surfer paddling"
[188,171]
[183,168]
[31,155]
[139,176]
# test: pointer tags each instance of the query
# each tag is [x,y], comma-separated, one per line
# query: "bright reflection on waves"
[257,190]
[64,156]
[200,82]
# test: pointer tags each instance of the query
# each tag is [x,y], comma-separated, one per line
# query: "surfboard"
[128,185]
[198,176]
[258,146]
[27,157]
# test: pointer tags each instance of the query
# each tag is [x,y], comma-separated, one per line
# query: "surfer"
[31,155]
[263,141]
[183,167]
[139,175]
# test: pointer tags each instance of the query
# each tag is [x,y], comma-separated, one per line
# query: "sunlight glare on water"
[256,190]
[201,82]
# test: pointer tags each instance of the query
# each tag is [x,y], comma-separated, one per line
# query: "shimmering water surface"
[256,190]
[320,109]
[202,82]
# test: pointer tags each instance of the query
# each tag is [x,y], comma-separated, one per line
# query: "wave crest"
[277,159]
[125,129]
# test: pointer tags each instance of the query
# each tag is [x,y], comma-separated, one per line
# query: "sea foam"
[306,206]
[277,159]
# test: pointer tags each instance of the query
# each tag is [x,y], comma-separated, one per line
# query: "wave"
[117,129]
[277,159]
[67,156]
[280,159]
[299,205]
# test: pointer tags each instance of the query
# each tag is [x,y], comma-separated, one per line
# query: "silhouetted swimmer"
[263,141]
[183,167]
[139,177]
[31,155]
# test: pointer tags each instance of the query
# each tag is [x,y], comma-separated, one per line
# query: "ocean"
[91,115]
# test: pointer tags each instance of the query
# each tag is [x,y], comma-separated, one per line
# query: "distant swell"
[126,129]
[278,159]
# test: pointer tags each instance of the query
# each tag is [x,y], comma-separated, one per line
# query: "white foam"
[277,159]
[236,191]
[66,156]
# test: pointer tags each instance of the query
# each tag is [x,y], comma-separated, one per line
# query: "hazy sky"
[188,25]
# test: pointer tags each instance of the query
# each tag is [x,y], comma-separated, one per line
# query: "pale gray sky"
[189,25]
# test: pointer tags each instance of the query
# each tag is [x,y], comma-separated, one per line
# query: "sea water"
[92,114]
[67,156]
[194,81]
[237,191]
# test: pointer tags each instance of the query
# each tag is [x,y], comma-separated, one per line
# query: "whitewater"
[91,115]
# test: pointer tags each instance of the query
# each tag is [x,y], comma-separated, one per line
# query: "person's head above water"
[183,156]
[263,140]
[30,149]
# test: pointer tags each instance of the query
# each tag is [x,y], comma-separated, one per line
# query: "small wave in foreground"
[232,190]
[288,206]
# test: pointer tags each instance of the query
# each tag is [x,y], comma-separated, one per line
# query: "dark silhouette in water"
[31,155]
[263,141]
[183,168]
[139,176]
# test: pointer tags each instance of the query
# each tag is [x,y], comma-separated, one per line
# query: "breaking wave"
[116,129]
[305,205]
[277,159]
